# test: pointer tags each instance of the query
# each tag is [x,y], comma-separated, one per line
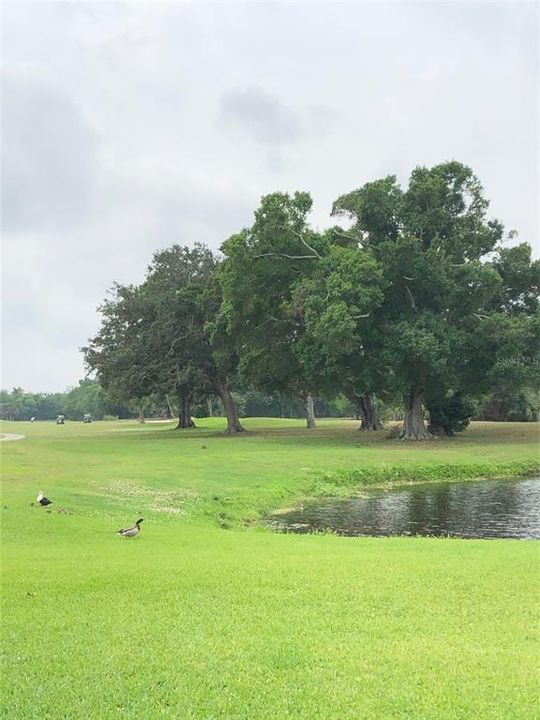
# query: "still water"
[484,509]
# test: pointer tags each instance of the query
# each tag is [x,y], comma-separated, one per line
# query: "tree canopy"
[166,334]
[416,297]
[433,242]
[262,268]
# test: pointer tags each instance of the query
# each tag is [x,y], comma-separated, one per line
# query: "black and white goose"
[42,500]
[132,531]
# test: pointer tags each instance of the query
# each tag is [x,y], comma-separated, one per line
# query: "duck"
[132,531]
[42,500]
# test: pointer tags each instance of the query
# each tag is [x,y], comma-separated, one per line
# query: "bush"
[449,416]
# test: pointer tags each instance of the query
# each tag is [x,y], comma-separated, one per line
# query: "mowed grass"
[191,620]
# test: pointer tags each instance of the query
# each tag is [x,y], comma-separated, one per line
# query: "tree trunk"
[414,427]
[184,412]
[172,413]
[233,423]
[141,418]
[368,413]
[310,412]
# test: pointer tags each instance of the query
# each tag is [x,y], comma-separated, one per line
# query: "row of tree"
[413,297]
[87,397]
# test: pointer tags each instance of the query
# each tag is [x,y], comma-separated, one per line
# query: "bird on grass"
[42,500]
[132,531]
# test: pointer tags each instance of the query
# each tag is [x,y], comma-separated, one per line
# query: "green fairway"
[208,615]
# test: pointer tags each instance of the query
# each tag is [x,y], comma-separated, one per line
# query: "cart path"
[6,437]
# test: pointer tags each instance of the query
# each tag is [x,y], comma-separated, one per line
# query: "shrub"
[450,415]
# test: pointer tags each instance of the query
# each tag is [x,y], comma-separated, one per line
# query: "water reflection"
[490,508]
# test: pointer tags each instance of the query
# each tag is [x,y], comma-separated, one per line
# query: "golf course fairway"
[208,614]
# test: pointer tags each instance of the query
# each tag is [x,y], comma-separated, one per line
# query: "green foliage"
[165,336]
[451,294]
[178,295]
[520,276]
[254,403]
[20,405]
[445,208]
[118,353]
[375,210]
[450,415]
[337,303]
[503,406]
[262,266]
[87,397]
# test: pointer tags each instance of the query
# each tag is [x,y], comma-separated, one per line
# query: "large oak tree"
[432,241]
[263,265]
[167,335]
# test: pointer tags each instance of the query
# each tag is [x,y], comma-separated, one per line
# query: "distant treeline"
[89,397]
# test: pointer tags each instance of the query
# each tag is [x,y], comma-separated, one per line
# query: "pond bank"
[349,483]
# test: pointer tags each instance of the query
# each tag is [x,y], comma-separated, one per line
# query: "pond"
[479,509]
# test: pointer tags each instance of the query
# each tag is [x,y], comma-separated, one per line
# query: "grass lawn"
[192,620]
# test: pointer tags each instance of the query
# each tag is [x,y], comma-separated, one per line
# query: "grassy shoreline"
[354,480]
[186,475]
[352,483]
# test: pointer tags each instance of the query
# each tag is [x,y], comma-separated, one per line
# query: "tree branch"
[314,256]
[265,322]
[289,257]
[411,298]
[269,318]
[173,343]
[299,236]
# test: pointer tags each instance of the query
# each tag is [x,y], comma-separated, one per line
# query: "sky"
[127,127]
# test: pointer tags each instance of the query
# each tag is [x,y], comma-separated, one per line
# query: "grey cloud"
[325,120]
[262,115]
[49,163]
[192,213]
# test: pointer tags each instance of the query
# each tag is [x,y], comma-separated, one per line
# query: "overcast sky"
[131,126]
